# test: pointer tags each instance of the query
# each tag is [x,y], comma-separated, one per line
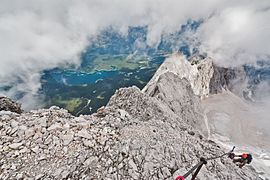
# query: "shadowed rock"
[6,104]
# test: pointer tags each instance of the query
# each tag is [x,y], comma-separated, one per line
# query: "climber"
[242,159]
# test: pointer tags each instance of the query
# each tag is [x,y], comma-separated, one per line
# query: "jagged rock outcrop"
[178,95]
[203,75]
[234,80]
[6,104]
[198,74]
[136,136]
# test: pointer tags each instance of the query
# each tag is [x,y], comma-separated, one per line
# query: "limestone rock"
[203,75]
[67,139]
[84,133]
[15,145]
[198,75]
[6,104]
[56,126]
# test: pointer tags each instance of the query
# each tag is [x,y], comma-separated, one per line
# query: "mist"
[37,35]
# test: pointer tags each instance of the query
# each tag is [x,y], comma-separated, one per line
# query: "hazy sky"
[39,34]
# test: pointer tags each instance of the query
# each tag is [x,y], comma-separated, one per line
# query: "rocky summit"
[157,133]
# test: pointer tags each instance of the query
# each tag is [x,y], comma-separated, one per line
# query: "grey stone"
[123,113]
[19,176]
[24,150]
[6,117]
[23,127]
[65,174]
[5,148]
[14,123]
[65,149]
[91,161]
[67,139]
[132,165]
[57,172]
[48,140]
[88,143]
[40,176]
[55,126]
[84,133]
[29,132]
[15,145]
[35,149]
[42,122]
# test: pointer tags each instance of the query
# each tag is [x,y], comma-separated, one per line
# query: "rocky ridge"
[204,76]
[154,134]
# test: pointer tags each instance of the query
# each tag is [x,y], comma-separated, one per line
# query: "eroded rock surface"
[136,136]
[203,75]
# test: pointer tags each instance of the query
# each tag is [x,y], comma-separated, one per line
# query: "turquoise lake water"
[73,77]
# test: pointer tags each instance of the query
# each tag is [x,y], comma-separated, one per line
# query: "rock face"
[178,95]
[198,73]
[234,80]
[205,77]
[151,135]
[6,104]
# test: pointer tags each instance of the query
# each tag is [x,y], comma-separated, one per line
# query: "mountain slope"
[135,136]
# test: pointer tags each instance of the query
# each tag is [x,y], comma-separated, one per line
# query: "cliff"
[157,133]
[203,75]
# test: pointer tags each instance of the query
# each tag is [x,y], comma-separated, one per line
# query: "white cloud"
[237,35]
[38,34]
[262,106]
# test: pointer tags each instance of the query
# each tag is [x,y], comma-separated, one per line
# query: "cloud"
[262,106]
[36,35]
[238,34]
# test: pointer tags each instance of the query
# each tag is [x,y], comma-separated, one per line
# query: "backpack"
[231,155]
[249,158]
